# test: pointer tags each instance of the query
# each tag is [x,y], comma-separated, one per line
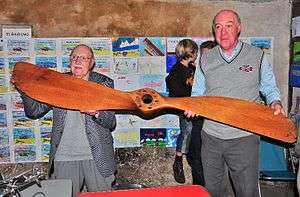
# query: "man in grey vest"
[233,69]
[81,143]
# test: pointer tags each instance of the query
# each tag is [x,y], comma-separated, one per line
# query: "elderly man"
[81,144]
[233,69]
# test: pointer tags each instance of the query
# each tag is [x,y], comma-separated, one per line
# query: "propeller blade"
[65,91]
[250,116]
[68,92]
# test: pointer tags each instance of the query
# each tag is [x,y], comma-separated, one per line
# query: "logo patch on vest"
[246,68]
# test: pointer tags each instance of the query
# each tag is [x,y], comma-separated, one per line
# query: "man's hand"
[12,80]
[190,114]
[90,112]
[278,108]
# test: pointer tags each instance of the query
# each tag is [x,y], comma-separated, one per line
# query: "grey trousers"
[241,155]
[82,173]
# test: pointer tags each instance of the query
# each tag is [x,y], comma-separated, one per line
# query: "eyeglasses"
[81,58]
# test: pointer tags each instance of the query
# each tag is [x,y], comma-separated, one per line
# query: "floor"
[278,189]
[273,189]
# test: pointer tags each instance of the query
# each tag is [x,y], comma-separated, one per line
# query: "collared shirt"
[268,86]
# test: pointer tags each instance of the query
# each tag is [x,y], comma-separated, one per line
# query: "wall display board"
[133,63]
[294,79]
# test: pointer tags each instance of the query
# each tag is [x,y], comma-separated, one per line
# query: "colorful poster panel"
[156,82]
[3,119]
[68,44]
[172,134]
[5,154]
[296,53]
[4,137]
[264,43]
[172,43]
[152,46]
[16,102]
[153,137]
[25,153]
[23,136]
[163,121]
[2,51]
[171,60]
[100,46]
[20,119]
[125,47]
[3,102]
[18,47]
[13,60]
[4,84]
[45,152]
[44,47]
[3,68]
[46,62]
[103,64]
[126,82]
[46,120]
[125,66]
[128,121]
[46,133]
[294,79]
[65,65]
[200,40]
[151,65]
[126,138]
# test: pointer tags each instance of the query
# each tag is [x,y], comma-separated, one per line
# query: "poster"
[152,46]
[124,138]
[296,53]
[125,47]
[44,47]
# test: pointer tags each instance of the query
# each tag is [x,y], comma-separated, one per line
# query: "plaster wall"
[76,18]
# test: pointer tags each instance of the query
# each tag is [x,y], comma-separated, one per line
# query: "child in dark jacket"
[179,82]
[194,155]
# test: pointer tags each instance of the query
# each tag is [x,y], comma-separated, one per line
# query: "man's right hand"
[12,80]
[190,114]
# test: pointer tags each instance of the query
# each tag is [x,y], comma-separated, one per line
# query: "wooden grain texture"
[65,91]
[68,92]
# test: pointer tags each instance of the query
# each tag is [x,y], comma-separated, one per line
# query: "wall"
[71,18]
[66,18]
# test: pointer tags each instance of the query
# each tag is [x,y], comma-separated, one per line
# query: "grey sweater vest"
[238,78]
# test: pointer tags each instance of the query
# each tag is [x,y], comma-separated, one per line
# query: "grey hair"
[84,45]
[233,12]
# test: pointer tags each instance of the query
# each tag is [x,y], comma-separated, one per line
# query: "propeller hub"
[147,99]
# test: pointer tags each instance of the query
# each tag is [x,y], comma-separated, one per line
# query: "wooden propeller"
[68,92]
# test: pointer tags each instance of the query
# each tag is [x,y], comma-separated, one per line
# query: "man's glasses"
[80,58]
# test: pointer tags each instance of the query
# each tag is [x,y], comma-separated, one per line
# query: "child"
[194,155]
[179,82]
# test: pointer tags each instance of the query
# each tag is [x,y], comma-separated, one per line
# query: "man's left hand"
[90,112]
[277,107]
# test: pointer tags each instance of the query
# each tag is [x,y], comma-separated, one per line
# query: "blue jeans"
[194,155]
[183,139]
